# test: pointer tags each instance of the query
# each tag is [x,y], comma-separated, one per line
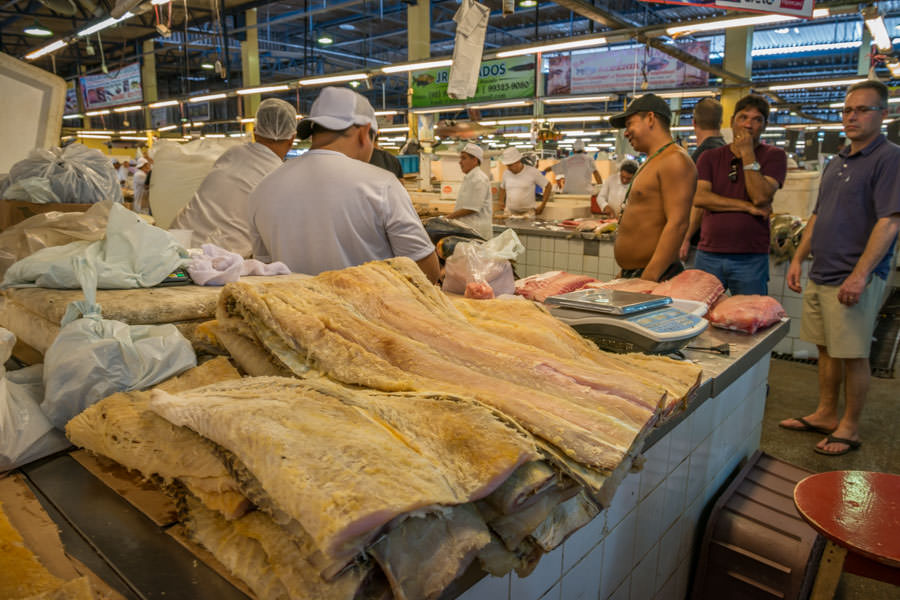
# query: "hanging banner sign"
[502,79]
[71,98]
[112,89]
[794,8]
[618,70]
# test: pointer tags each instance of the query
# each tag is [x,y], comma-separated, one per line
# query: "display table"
[644,539]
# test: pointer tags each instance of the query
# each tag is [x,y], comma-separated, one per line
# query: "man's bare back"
[656,213]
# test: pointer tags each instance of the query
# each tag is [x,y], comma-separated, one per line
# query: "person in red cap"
[658,204]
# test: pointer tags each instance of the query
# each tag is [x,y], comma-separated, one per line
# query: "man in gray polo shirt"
[851,234]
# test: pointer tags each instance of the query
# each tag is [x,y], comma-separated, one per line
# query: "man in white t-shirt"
[473,203]
[517,192]
[330,209]
[611,197]
[576,171]
[218,213]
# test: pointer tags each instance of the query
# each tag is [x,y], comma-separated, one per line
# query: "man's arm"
[693,227]
[501,199]
[760,188]
[678,182]
[546,196]
[460,213]
[883,235]
[796,268]
[431,267]
[706,198]
[597,178]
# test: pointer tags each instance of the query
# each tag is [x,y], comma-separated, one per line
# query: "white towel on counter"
[217,266]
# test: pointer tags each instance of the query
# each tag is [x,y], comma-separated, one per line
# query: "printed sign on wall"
[115,88]
[502,79]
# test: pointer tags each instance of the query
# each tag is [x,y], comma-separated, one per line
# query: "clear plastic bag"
[25,432]
[483,270]
[74,174]
[93,357]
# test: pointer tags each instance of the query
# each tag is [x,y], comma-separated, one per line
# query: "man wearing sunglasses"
[851,234]
[735,187]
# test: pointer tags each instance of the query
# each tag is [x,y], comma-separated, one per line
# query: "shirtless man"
[658,206]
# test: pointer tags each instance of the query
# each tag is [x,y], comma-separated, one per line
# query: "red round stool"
[858,513]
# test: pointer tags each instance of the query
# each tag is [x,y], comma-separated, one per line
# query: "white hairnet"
[276,120]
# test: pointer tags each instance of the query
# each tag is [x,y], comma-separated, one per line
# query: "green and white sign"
[502,79]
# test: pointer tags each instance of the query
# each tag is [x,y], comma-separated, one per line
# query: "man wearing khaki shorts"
[851,234]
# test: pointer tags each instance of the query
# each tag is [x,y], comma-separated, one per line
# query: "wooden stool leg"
[830,568]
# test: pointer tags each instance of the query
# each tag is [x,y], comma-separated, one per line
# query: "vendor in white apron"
[576,172]
[474,206]
[517,192]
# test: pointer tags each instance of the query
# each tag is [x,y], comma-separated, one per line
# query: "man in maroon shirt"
[735,187]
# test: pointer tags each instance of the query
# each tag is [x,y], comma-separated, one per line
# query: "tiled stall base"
[640,547]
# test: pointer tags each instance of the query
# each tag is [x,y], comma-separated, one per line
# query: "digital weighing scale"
[629,321]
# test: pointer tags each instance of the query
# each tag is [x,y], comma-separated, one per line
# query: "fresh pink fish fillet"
[745,313]
[642,286]
[543,285]
[692,284]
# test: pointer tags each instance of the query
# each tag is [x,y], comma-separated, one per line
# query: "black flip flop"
[851,445]
[807,426]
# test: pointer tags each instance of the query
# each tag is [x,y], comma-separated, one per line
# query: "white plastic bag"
[74,174]
[483,270]
[132,254]
[25,433]
[93,357]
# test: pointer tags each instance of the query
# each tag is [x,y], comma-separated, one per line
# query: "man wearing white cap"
[473,203]
[517,186]
[576,171]
[142,169]
[330,209]
[218,212]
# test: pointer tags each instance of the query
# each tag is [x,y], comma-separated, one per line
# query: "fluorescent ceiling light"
[807,48]
[386,113]
[598,41]
[333,79]
[816,84]
[91,136]
[75,116]
[354,84]
[207,66]
[875,24]
[573,99]
[576,119]
[741,22]
[95,132]
[127,131]
[502,104]
[159,2]
[405,67]
[46,50]
[125,109]
[248,120]
[688,94]
[104,24]
[37,30]
[394,129]
[215,135]
[207,97]
[168,128]
[507,122]
[528,3]
[133,137]
[439,109]
[325,40]
[198,124]
[235,135]
[163,103]
[834,127]
[97,113]
[263,89]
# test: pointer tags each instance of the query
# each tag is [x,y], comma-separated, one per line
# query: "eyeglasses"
[733,173]
[860,110]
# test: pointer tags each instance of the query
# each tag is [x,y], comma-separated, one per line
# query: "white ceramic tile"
[650,515]
[542,579]
[656,466]
[812,350]
[753,440]
[670,552]
[621,593]
[591,265]
[560,246]
[575,246]
[691,528]
[675,483]
[546,258]
[624,501]
[702,422]
[667,589]
[547,244]
[699,464]
[583,582]
[555,593]
[776,286]
[618,555]
[576,263]
[608,264]
[560,261]
[643,578]
[582,541]
[793,307]
[785,346]
[489,588]
[680,445]
[532,256]
[684,578]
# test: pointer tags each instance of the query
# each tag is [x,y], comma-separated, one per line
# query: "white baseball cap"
[578,146]
[510,156]
[473,150]
[141,162]
[337,109]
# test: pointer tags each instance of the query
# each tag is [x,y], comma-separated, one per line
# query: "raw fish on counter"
[543,285]
[745,313]
[692,284]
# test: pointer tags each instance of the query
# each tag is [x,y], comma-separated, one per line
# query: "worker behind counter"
[218,211]
[658,203]
[140,182]
[611,197]
[516,194]
[330,209]
[576,171]
[474,205]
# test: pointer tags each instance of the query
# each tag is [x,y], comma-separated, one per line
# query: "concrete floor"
[792,392]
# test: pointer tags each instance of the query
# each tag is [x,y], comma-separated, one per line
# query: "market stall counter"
[642,542]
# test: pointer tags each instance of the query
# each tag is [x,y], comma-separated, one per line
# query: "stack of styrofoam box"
[640,548]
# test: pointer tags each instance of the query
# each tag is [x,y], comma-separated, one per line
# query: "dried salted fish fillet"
[338,469]
[21,573]
[522,487]
[75,589]
[122,428]
[514,528]
[566,518]
[425,553]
